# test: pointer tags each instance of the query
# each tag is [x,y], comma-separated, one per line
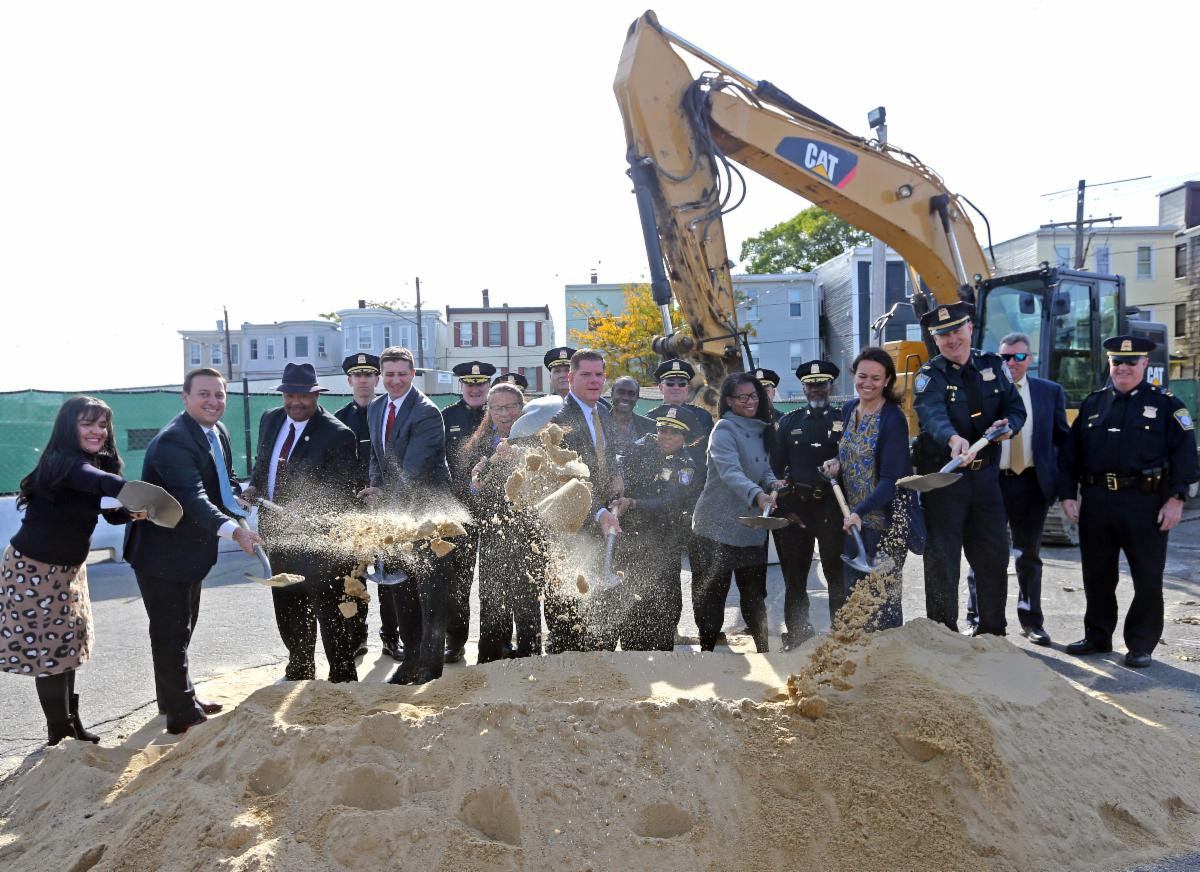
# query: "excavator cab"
[1067,314]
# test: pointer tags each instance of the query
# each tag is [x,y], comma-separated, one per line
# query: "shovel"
[764,521]
[608,578]
[946,475]
[270,579]
[384,579]
[859,563]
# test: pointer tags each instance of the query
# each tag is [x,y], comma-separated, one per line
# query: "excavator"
[684,136]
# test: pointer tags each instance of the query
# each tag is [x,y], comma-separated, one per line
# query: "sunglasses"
[1019,357]
[1131,364]
[676,382]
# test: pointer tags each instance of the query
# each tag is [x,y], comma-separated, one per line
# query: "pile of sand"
[934,752]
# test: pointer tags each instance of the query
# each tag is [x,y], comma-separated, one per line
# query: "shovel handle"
[978,445]
[841,500]
[258,550]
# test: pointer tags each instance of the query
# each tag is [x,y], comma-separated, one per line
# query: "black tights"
[54,693]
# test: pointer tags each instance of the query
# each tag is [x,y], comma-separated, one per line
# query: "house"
[260,351]
[511,338]
[374,328]
[783,312]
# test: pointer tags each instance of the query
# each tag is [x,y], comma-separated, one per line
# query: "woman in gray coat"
[739,483]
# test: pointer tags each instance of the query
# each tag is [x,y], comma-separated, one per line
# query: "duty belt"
[806,493]
[1149,481]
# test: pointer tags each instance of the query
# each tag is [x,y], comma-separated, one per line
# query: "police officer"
[558,361]
[807,437]
[461,420]
[362,374]
[1133,450]
[674,376]
[769,379]
[962,394]
[512,378]
[661,487]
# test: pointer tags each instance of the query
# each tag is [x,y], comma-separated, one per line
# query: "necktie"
[218,457]
[284,453]
[1016,456]
[387,433]
[601,459]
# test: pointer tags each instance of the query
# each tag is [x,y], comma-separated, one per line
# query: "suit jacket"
[414,459]
[320,477]
[179,460]
[356,419]
[579,438]
[1050,431]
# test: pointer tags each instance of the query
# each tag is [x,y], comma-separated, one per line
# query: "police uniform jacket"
[461,421]
[1143,439]
[354,416]
[964,400]
[805,439]
[665,488]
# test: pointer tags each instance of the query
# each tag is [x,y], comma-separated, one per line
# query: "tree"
[799,244]
[623,339]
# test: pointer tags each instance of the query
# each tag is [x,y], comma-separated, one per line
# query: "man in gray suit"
[408,472]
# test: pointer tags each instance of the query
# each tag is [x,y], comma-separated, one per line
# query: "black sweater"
[58,524]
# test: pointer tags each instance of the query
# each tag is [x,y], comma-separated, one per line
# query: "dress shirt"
[589,413]
[279,440]
[1026,431]
[229,527]
[397,402]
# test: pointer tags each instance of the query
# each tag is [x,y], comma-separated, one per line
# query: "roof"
[544,311]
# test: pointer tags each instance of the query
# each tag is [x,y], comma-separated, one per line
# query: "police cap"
[512,378]
[674,368]
[560,356]
[943,319]
[361,363]
[1128,347]
[817,371]
[474,371]
[670,418]
[767,377]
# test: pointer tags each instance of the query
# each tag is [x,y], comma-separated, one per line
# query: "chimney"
[362,304]
[486,303]
[595,278]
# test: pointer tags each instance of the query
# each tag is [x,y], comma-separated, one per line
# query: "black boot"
[77,724]
[53,694]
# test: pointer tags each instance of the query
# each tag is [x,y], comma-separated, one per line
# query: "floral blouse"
[856,454]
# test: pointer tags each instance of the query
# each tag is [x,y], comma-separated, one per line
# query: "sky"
[162,160]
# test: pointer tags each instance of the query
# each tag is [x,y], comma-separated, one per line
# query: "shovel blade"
[760,523]
[283,579]
[858,564]
[929,481]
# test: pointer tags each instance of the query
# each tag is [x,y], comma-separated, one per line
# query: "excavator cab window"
[1073,344]
[1015,308]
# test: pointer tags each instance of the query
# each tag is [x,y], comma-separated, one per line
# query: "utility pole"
[1079,223]
[228,356]
[877,118]
[420,331]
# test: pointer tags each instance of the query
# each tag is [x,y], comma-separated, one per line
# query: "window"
[364,339]
[795,298]
[1062,256]
[270,349]
[1072,362]
[1181,319]
[529,333]
[406,336]
[387,336]
[796,354]
[302,346]
[754,358]
[1145,262]
[194,353]
[215,358]
[235,354]
[1103,260]
[1181,261]
[320,346]
[912,332]
[285,354]
[254,349]
[494,335]
[464,334]
[749,306]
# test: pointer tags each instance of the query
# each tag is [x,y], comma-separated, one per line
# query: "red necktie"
[387,433]
[284,453]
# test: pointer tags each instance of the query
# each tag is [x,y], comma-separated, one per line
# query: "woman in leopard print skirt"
[45,611]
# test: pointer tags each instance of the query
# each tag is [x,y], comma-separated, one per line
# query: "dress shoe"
[210,708]
[425,676]
[1087,646]
[361,650]
[178,729]
[454,655]
[970,630]
[404,675]
[1036,635]
[393,649]
[1138,660]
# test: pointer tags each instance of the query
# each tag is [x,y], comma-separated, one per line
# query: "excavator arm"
[682,133]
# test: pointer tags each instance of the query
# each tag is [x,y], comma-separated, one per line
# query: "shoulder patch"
[921,383]
[1184,419]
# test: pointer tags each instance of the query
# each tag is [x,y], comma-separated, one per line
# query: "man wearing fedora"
[306,465]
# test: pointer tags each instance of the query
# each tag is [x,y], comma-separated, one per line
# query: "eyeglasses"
[744,398]
[1126,362]
[1019,357]
[675,382]
[505,409]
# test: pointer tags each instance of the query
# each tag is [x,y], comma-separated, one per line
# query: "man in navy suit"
[408,472]
[306,463]
[1028,479]
[170,563]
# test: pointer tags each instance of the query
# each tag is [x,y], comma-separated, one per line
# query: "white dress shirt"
[279,440]
[397,402]
[589,415]
[1026,431]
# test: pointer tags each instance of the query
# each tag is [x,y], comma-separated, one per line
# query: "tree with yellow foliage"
[623,339]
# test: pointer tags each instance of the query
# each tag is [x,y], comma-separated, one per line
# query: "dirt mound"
[933,751]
